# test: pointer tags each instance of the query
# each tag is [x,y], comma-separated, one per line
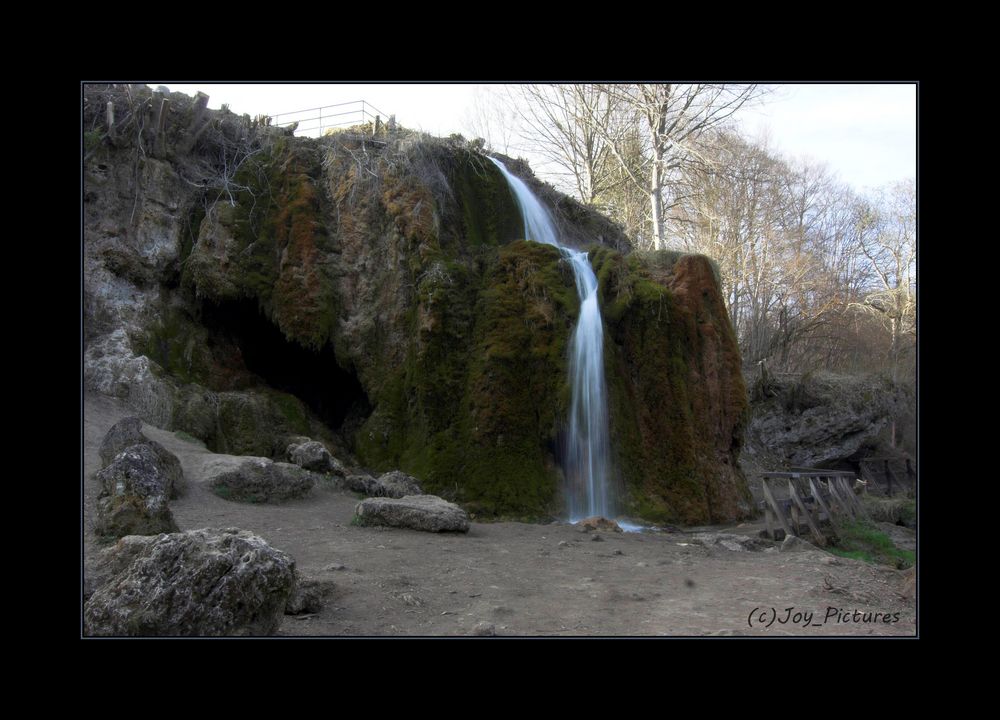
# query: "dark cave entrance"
[335,395]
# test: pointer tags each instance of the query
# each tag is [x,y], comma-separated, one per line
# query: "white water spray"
[587,448]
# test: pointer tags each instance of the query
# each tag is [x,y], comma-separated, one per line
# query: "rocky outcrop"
[259,480]
[420,512]
[399,271]
[820,419]
[678,404]
[199,583]
[136,487]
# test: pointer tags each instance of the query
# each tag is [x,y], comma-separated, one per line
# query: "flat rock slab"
[417,512]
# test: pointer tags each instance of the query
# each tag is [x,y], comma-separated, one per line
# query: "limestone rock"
[417,512]
[307,596]
[134,498]
[128,432]
[313,455]
[364,484]
[208,582]
[396,484]
[259,480]
[124,433]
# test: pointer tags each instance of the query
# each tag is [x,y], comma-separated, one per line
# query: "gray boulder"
[124,433]
[259,480]
[128,432]
[206,582]
[313,455]
[364,484]
[417,512]
[396,484]
[307,596]
[136,487]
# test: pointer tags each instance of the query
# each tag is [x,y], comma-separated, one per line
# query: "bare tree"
[571,127]
[489,119]
[674,118]
[887,238]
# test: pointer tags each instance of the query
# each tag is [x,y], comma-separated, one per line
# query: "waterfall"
[587,459]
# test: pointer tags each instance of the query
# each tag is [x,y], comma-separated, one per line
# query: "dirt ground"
[525,580]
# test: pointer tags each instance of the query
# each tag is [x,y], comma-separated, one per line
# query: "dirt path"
[522,579]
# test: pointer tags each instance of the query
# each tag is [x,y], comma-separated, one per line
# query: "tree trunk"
[656,205]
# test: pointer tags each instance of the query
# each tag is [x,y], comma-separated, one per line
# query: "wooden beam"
[110,117]
[794,494]
[818,497]
[777,509]
[840,500]
[849,491]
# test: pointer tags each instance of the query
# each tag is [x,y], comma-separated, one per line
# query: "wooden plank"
[854,498]
[818,497]
[794,494]
[777,510]
[769,520]
[846,509]
[112,130]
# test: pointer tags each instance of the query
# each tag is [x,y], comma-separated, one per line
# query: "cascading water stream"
[587,458]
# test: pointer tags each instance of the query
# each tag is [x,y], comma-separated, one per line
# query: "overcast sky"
[866,133]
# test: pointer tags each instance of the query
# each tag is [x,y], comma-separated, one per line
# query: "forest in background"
[816,274]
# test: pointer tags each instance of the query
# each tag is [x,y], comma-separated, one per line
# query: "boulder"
[128,432]
[313,455]
[307,596]
[208,582]
[364,484]
[259,480]
[124,433]
[134,496]
[597,522]
[417,512]
[396,484]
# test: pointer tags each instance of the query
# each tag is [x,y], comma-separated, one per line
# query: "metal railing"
[313,122]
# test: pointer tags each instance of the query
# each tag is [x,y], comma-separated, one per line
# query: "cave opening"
[334,394]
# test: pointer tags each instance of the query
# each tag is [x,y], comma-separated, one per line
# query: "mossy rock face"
[406,258]
[477,408]
[678,403]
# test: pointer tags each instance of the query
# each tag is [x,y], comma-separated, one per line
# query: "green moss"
[660,348]
[489,212]
[479,402]
[863,541]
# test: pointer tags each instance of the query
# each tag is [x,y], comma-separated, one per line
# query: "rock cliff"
[249,287]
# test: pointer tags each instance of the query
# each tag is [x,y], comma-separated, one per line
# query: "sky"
[866,133]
